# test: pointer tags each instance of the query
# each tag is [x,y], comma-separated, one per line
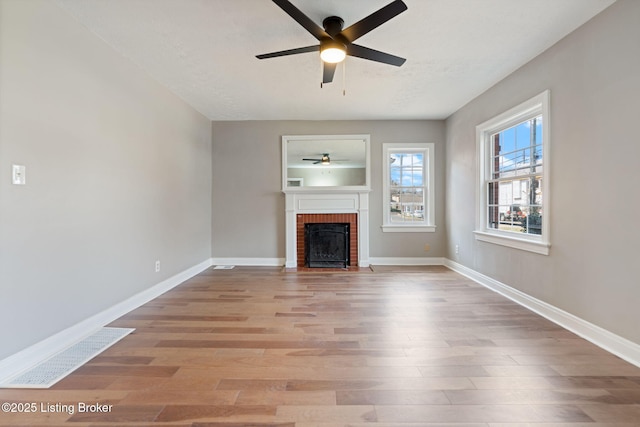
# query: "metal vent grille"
[62,364]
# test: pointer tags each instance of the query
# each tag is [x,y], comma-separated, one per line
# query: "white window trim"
[538,105]
[428,226]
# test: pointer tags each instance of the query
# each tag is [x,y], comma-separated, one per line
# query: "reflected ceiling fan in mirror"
[336,43]
[325,160]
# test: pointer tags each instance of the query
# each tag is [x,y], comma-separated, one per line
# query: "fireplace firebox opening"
[326,245]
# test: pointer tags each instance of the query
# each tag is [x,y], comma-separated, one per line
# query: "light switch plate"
[19,175]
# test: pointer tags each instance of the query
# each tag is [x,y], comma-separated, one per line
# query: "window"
[513,191]
[408,197]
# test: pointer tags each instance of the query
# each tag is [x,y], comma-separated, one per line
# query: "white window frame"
[427,225]
[536,106]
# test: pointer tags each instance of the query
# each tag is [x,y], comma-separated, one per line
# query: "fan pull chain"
[344,77]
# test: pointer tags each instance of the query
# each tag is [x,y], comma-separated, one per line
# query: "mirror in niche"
[327,161]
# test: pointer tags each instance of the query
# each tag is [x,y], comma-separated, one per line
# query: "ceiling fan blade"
[305,49]
[328,70]
[313,160]
[302,19]
[374,20]
[374,55]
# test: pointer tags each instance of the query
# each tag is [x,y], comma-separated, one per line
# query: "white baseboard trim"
[43,350]
[253,262]
[406,261]
[608,341]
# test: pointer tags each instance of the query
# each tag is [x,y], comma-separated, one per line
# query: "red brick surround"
[351,219]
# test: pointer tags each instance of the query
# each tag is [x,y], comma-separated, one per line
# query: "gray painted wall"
[118,176]
[593,270]
[248,205]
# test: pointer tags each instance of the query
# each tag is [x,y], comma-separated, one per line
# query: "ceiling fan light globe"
[332,51]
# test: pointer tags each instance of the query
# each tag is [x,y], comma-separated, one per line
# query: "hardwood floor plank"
[121,360]
[329,413]
[567,424]
[531,396]
[613,413]
[255,344]
[286,398]
[212,412]
[257,424]
[120,414]
[481,413]
[127,371]
[85,382]
[391,397]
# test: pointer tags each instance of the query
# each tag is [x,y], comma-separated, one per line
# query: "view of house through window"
[514,188]
[408,198]
[406,187]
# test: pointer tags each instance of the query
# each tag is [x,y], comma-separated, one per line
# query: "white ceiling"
[204,51]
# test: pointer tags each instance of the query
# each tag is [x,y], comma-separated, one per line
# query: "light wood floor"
[389,347]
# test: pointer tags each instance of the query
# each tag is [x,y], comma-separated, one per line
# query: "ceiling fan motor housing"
[333,25]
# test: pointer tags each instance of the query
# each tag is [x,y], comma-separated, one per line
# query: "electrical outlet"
[457,249]
[157,266]
[427,247]
[19,176]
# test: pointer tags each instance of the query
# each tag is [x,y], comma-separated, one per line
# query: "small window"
[408,188]
[513,154]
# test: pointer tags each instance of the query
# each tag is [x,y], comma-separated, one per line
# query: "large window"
[513,153]
[408,187]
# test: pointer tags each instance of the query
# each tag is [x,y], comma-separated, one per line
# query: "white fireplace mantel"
[329,201]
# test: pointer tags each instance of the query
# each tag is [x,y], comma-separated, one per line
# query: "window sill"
[537,247]
[409,228]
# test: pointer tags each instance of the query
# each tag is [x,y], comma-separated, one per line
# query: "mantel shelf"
[326,190]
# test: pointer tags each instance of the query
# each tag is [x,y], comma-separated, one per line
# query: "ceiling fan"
[325,160]
[336,43]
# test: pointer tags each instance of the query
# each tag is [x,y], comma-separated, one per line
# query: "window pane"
[493,218]
[517,149]
[508,140]
[523,135]
[406,205]
[394,176]
[416,177]
[534,220]
[407,187]
[395,207]
[515,205]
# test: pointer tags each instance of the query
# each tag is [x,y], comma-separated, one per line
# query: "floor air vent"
[62,364]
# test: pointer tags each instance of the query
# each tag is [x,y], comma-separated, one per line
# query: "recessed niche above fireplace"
[317,162]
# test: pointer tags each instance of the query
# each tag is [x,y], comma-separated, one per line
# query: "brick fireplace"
[321,218]
[325,206]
